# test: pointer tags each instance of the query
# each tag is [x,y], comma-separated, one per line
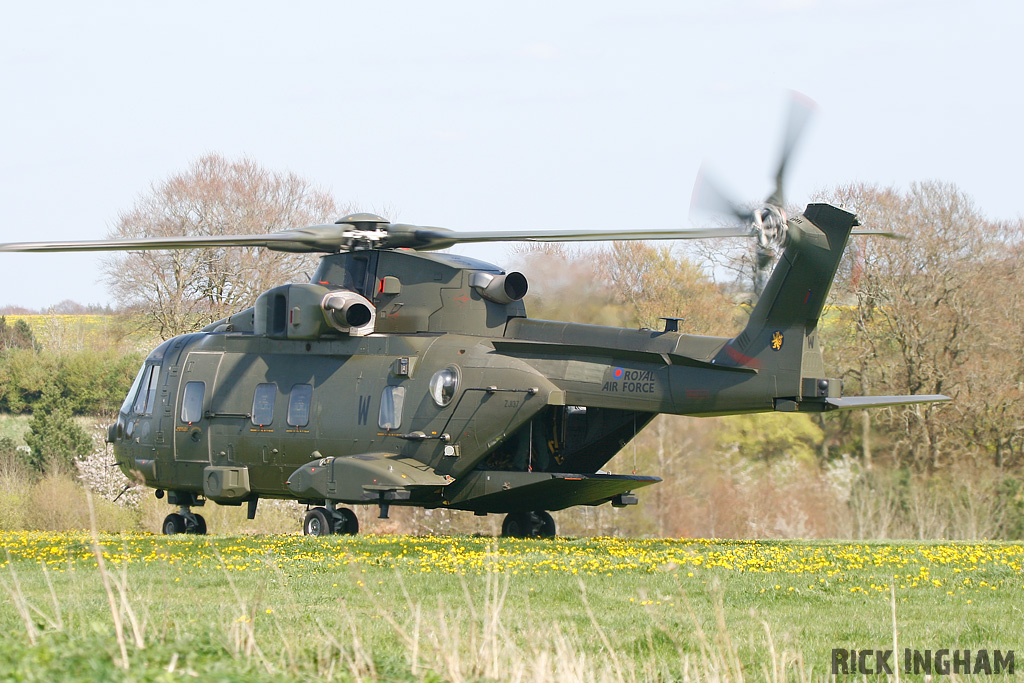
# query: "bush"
[94,381]
[14,459]
[55,439]
[16,336]
[24,374]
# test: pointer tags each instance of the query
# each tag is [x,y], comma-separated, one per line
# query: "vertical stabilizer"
[780,336]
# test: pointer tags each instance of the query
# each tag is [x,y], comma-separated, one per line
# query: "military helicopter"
[402,376]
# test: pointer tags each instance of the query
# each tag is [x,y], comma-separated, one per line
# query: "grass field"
[475,608]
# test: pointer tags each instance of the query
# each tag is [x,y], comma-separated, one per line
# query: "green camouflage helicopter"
[402,376]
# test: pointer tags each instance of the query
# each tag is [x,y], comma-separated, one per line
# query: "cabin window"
[263,404]
[391,403]
[298,405]
[146,399]
[192,402]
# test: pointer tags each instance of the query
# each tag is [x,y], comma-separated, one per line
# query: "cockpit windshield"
[126,406]
[141,397]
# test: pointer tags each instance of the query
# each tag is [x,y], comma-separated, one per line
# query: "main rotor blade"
[800,109]
[709,196]
[878,233]
[429,238]
[313,238]
[338,237]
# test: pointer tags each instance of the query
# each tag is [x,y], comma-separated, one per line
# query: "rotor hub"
[368,231]
[770,227]
[363,221]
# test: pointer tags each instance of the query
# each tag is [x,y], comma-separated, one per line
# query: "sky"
[492,115]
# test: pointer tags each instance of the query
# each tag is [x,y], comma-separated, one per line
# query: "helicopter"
[400,376]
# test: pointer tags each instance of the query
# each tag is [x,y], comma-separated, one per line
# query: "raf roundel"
[617,373]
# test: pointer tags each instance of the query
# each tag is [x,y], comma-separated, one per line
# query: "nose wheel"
[538,524]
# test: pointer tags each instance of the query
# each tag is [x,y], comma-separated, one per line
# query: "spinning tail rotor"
[767,224]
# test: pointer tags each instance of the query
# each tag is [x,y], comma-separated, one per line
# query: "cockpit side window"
[146,398]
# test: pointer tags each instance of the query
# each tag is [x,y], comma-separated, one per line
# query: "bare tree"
[566,284]
[936,313]
[181,290]
[655,281]
[629,283]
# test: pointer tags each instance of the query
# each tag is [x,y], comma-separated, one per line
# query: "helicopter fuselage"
[224,404]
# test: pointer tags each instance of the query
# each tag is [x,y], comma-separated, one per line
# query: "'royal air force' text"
[631,382]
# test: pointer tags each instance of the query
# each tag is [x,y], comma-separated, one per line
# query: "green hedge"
[94,382]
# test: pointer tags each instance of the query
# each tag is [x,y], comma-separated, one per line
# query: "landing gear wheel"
[528,525]
[517,525]
[198,527]
[317,523]
[173,524]
[546,529]
[347,523]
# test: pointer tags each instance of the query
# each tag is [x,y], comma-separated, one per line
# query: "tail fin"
[780,336]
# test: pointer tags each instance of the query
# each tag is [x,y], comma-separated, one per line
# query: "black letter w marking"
[364,409]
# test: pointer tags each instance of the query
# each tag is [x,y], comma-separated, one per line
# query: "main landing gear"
[324,521]
[538,524]
[184,522]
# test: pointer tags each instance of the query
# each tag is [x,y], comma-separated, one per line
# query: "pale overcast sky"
[491,115]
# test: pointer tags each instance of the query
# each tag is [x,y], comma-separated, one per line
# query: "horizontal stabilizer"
[854,402]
